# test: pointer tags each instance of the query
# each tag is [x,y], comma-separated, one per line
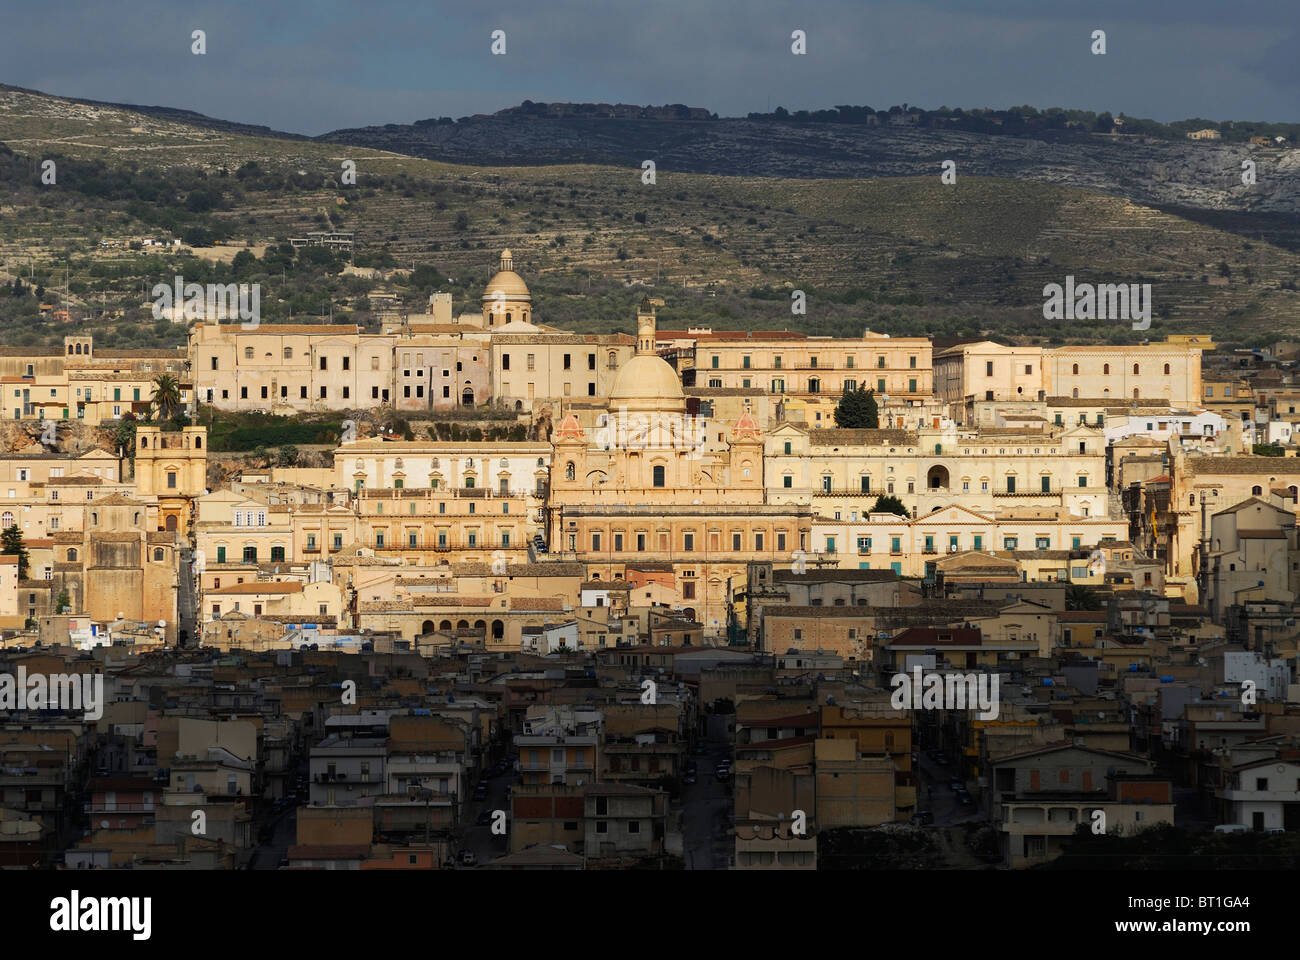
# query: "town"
[643,608]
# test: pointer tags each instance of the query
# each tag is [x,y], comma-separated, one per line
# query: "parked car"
[467,858]
[922,818]
[1231,828]
[941,760]
[956,786]
[689,778]
[483,818]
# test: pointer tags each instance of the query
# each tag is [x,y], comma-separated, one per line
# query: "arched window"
[1136,394]
[72,554]
[1166,369]
[94,519]
[569,471]
[1136,369]
[498,629]
[158,554]
[1075,393]
[1074,369]
[1256,491]
[198,443]
[1105,369]
[144,443]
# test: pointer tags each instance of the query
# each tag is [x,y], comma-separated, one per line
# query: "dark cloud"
[313,65]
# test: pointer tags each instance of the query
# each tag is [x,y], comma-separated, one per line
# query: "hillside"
[902,255]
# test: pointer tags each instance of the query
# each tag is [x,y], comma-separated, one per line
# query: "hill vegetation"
[905,255]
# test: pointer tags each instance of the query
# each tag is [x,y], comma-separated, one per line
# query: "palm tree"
[166,396]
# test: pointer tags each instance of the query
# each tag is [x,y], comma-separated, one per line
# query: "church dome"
[506,283]
[647,383]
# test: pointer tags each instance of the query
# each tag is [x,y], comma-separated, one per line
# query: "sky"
[311,66]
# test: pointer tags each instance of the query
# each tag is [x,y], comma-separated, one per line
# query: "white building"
[1264,795]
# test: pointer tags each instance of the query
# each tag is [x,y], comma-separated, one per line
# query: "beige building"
[1168,372]
[82,383]
[646,493]
[842,472]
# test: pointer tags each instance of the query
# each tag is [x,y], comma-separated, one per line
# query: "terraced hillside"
[900,255]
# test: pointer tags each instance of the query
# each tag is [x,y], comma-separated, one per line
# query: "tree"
[890,504]
[11,543]
[64,603]
[124,434]
[166,396]
[287,456]
[462,221]
[1081,597]
[857,410]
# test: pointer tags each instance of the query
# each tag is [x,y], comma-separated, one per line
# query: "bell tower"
[645,326]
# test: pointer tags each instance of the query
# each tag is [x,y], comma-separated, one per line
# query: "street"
[706,810]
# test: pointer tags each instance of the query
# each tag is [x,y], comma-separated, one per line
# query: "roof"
[288,586]
[938,637]
[1211,466]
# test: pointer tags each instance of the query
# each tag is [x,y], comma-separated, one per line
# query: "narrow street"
[705,816]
